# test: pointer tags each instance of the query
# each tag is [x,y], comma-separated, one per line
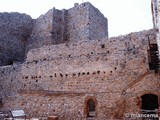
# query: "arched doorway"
[149,104]
[91,108]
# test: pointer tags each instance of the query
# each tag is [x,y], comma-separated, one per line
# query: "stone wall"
[59,79]
[15,29]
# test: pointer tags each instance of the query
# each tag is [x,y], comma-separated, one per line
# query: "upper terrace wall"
[15,29]
[115,54]
[58,79]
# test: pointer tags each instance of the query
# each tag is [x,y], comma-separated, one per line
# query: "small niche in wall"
[61,75]
[83,73]
[98,72]
[79,74]
[115,68]
[102,45]
[74,74]
[94,73]
[1,103]
[55,75]
[44,59]
[10,62]
[66,75]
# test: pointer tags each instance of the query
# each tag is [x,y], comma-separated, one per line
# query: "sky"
[124,16]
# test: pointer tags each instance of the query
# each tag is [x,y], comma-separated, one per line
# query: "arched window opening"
[91,108]
[149,104]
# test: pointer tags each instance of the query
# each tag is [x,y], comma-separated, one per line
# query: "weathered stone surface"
[82,22]
[15,29]
[59,80]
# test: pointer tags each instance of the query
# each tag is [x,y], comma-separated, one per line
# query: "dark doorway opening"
[9,62]
[150,105]
[91,108]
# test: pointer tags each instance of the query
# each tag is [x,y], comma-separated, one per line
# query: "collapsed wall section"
[15,29]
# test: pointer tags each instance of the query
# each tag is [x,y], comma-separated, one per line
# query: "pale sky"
[124,16]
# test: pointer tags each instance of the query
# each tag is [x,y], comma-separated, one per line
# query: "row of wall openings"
[64,75]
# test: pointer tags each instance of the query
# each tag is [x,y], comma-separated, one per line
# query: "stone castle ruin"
[63,64]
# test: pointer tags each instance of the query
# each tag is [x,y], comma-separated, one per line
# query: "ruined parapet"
[15,29]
